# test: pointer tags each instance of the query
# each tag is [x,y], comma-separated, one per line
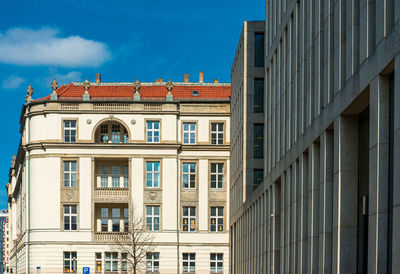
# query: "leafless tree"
[136,243]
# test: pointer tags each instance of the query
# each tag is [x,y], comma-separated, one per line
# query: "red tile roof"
[148,91]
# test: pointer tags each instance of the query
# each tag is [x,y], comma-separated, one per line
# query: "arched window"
[111,132]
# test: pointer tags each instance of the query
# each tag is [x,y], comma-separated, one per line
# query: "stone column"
[345,186]
[378,175]
[303,183]
[276,225]
[326,182]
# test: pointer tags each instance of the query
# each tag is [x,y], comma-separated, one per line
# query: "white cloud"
[28,47]
[72,76]
[12,82]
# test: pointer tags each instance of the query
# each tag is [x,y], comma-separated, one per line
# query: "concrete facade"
[329,201]
[39,193]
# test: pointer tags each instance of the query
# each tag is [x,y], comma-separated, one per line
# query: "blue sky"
[122,40]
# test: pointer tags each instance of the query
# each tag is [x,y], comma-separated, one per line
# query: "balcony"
[110,194]
[109,237]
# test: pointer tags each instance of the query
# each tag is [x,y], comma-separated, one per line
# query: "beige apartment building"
[330,196]
[93,152]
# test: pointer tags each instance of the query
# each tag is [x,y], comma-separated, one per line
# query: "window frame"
[189,173]
[216,188]
[152,130]
[152,260]
[262,49]
[153,172]
[188,261]
[189,132]
[189,217]
[124,261]
[70,172]
[215,261]
[112,260]
[216,217]
[71,261]
[256,155]
[255,186]
[223,122]
[105,177]
[64,129]
[261,107]
[153,216]
[70,215]
[97,260]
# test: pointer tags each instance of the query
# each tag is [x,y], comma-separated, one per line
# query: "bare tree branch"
[136,243]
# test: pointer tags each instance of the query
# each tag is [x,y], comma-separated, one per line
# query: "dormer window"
[195,93]
[112,132]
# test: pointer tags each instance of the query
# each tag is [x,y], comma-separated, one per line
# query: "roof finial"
[137,85]
[169,86]
[29,92]
[14,158]
[86,86]
[54,86]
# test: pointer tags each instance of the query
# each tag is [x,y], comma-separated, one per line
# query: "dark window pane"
[259,49]
[258,95]
[258,140]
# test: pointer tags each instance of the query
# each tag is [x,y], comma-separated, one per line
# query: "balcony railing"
[109,236]
[111,193]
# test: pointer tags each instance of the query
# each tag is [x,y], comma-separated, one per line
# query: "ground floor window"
[70,259]
[189,262]
[216,262]
[111,261]
[98,262]
[153,261]
[124,261]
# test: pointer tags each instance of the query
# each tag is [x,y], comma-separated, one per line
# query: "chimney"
[186,78]
[216,80]
[98,77]
[201,77]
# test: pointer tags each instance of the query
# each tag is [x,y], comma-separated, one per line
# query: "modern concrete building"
[92,152]
[329,201]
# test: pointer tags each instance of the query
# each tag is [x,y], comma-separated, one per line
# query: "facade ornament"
[86,86]
[54,86]
[29,93]
[169,86]
[89,121]
[14,158]
[136,85]
[133,121]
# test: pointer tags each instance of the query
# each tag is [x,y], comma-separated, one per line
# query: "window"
[126,176]
[70,217]
[104,219]
[124,261]
[189,262]
[115,133]
[98,262]
[258,140]
[217,175]
[189,133]
[216,262]
[116,215]
[112,132]
[258,95]
[189,218]
[152,261]
[153,218]
[104,133]
[70,173]
[152,174]
[104,176]
[259,49]
[257,177]
[126,219]
[115,170]
[111,261]
[70,131]
[217,133]
[217,219]
[189,175]
[153,132]
[70,261]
